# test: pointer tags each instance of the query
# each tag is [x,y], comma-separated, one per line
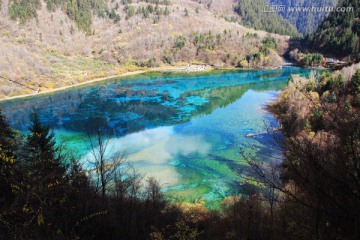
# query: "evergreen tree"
[306,22]
[7,162]
[7,135]
[339,33]
[44,183]
[41,153]
[23,9]
[253,15]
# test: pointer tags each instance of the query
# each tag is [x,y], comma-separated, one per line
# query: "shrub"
[313,59]
[270,42]
[167,59]
[265,51]
[23,9]
[180,42]
[355,83]
[150,63]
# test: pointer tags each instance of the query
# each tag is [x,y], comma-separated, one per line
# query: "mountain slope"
[253,15]
[339,33]
[305,22]
[56,46]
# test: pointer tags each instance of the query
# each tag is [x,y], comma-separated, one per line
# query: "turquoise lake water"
[184,129]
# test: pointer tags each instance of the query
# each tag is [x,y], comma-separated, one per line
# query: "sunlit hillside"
[52,48]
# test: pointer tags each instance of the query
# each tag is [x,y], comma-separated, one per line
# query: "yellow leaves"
[56,183]
[156,235]
[93,215]
[230,201]
[40,219]
[49,85]
[311,135]
[14,188]
[314,96]
[243,63]
[8,160]
[128,68]
[252,181]
[194,211]
[26,210]
[131,68]
[52,50]
[80,79]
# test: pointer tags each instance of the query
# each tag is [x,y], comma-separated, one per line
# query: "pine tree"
[44,182]
[7,162]
[42,156]
[8,175]
[7,136]
[339,33]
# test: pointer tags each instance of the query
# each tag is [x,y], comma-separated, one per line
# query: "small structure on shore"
[334,63]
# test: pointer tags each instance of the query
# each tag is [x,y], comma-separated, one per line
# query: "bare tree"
[105,159]
[267,174]
[153,190]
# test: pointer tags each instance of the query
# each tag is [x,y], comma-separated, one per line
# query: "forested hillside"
[305,22]
[339,33]
[320,118]
[79,10]
[253,15]
[54,43]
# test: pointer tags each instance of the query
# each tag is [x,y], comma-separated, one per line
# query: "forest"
[306,22]
[339,33]
[81,11]
[253,15]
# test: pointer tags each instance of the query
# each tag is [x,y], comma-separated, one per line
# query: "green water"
[184,129]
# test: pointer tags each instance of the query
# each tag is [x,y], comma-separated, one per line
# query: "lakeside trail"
[189,68]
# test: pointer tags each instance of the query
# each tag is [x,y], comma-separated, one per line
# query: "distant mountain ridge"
[305,22]
[253,15]
[339,33]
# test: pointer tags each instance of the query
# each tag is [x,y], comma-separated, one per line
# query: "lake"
[187,130]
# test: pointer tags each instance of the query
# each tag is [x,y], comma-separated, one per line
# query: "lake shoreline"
[190,68]
[179,69]
[169,125]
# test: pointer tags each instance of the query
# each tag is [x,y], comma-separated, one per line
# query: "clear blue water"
[184,129]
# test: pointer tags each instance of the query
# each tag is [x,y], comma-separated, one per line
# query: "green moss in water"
[190,194]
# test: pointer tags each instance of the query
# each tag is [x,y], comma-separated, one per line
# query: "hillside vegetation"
[306,22]
[53,43]
[320,118]
[339,33]
[253,15]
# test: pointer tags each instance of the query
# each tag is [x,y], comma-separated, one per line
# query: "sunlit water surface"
[185,129]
